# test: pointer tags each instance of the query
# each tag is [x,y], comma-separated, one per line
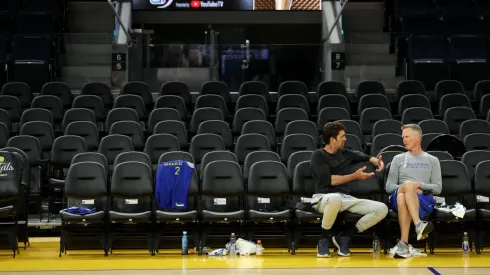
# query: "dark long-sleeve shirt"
[324,165]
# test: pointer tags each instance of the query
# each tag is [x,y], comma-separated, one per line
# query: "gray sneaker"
[423,229]
[401,250]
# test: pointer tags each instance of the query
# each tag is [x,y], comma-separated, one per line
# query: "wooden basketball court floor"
[41,258]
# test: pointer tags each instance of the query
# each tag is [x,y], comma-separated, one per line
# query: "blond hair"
[413,127]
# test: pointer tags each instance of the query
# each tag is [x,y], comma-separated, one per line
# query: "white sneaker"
[414,252]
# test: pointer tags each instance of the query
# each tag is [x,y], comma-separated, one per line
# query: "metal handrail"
[129,40]
[336,20]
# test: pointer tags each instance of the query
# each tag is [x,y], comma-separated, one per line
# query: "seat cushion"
[259,215]
[230,216]
[307,216]
[133,217]
[351,217]
[392,215]
[172,216]
[484,214]
[470,214]
[7,211]
[56,183]
[94,217]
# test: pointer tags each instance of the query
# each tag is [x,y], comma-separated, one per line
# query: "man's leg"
[413,205]
[372,211]
[404,217]
[329,206]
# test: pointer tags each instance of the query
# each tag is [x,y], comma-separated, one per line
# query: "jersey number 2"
[177,170]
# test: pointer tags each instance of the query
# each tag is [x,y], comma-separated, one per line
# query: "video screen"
[227,5]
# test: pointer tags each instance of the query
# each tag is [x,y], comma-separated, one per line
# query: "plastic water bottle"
[466,244]
[259,250]
[185,250]
[376,246]
[233,244]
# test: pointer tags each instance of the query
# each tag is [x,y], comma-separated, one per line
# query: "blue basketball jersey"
[172,184]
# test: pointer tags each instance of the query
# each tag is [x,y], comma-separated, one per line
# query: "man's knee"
[382,209]
[400,199]
[333,201]
[407,187]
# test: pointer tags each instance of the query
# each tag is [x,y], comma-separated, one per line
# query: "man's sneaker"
[322,249]
[414,252]
[423,229]
[401,250]
[342,244]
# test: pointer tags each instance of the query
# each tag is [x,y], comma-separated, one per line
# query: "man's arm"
[322,171]
[434,187]
[356,156]
[392,180]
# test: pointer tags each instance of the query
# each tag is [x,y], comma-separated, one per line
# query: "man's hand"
[378,162]
[360,175]
[419,191]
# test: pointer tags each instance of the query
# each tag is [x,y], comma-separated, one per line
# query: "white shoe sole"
[424,233]
[322,256]
[338,248]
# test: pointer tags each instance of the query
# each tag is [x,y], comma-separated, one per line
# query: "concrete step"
[90,17]
[367,38]
[370,71]
[89,38]
[76,76]
[381,48]
[390,84]
[370,59]
[87,55]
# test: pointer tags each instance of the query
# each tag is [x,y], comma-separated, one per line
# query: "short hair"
[332,129]
[413,127]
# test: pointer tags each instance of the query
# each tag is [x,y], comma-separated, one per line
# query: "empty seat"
[250,143]
[453,100]
[61,91]
[132,130]
[294,143]
[140,89]
[252,101]
[370,87]
[36,114]
[92,103]
[213,101]
[64,149]
[330,88]
[132,102]
[473,126]
[4,135]
[352,142]
[218,127]
[296,158]
[482,88]
[173,102]
[445,87]
[410,101]
[112,145]
[384,140]
[427,139]
[292,88]
[158,144]
[373,100]
[161,114]
[387,126]
[477,141]
[333,101]
[77,114]
[5,119]
[51,103]
[133,156]
[245,115]
[260,127]
[204,143]
[302,127]
[29,145]
[434,126]
[370,116]
[120,114]
[293,101]
[414,115]
[482,173]
[287,115]
[472,158]
[257,156]
[92,157]
[216,88]
[175,128]
[100,90]
[330,114]
[131,191]
[454,116]
[215,156]
[254,88]
[43,131]
[409,87]
[176,88]
[204,114]
[441,155]
[11,105]
[21,91]
[484,106]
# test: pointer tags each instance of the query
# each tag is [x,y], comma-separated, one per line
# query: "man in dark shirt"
[330,168]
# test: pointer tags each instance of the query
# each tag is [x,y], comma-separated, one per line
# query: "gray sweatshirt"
[423,168]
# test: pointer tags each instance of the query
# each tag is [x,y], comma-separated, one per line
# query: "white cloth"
[458,210]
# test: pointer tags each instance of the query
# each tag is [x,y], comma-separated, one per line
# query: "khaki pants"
[331,204]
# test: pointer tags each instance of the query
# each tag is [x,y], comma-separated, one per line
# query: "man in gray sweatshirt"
[413,180]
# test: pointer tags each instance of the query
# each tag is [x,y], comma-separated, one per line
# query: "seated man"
[413,179]
[330,167]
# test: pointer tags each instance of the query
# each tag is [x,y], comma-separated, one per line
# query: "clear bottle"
[185,242]
[376,245]
[466,244]
[233,244]
[260,249]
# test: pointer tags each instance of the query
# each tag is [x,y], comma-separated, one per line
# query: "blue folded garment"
[80,210]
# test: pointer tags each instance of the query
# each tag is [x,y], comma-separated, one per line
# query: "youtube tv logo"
[195,4]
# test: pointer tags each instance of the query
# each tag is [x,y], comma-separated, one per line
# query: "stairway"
[88,39]
[367,46]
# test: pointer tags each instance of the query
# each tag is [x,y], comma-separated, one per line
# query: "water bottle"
[376,246]
[259,250]
[233,244]
[466,244]
[185,250]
